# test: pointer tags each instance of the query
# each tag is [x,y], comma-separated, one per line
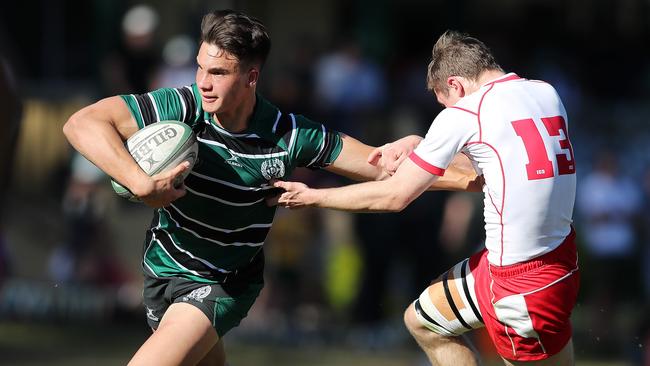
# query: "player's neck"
[489,75]
[238,119]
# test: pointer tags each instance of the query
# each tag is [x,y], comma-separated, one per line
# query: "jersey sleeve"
[449,133]
[166,104]
[314,146]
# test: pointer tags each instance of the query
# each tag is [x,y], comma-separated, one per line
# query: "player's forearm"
[363,197]
[390,195]
[361,173]
[459,176]
[458,180]
[352,162]
[99,142]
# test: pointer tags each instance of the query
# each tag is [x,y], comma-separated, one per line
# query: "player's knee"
[415,325]
[410,320]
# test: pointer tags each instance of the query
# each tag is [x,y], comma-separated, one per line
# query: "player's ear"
[253,76]
[455,85]
[451,81]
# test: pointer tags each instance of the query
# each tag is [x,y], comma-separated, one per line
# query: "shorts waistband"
[253,269]
[565,253]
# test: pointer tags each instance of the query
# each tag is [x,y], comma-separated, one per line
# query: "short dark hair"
[458,54]
[242,36]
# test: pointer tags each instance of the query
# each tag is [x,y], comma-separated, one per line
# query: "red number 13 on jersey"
[539,166]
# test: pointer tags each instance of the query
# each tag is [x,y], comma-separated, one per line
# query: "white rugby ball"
[160,147]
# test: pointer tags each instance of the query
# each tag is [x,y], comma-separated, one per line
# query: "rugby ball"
[159,147]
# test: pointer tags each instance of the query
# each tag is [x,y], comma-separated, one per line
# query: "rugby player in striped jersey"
[203,259]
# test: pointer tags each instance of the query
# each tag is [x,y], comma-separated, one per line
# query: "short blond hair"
[458,54]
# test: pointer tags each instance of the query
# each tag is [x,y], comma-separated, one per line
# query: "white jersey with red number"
[515,131]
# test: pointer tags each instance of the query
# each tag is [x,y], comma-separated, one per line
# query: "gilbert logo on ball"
[143,150]
[160,147]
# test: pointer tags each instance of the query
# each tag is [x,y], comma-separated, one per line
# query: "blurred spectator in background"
[349,87]
[462,221]
[350,91]
[11,108]
[291,84]
[644,225]
[179,67]
[609,203]
[131,69]
[88,255]
[293,276]
[395,251]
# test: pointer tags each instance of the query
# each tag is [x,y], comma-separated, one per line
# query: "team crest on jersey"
[199,294]
[272,168]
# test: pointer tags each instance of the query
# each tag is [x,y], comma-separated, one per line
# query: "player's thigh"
[185,336]
[564,358]
[448,306]
[215,357]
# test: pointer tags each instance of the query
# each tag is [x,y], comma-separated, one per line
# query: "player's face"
[222,83]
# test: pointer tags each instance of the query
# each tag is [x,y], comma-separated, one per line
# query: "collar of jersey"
[503,78]
[261,110]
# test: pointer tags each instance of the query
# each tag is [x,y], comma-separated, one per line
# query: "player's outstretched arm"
[352,161]
[390,195]
[459,176]
[390,156]
[98,131]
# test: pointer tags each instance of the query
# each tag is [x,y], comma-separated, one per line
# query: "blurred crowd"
[358,272]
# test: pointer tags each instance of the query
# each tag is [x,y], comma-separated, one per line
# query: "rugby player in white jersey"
[522,287]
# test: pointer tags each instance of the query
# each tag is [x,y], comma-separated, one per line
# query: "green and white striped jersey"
[219,226]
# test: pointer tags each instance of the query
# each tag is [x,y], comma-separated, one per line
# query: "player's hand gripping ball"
[160,147]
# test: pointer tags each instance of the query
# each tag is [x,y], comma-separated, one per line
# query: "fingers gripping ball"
[160,147]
